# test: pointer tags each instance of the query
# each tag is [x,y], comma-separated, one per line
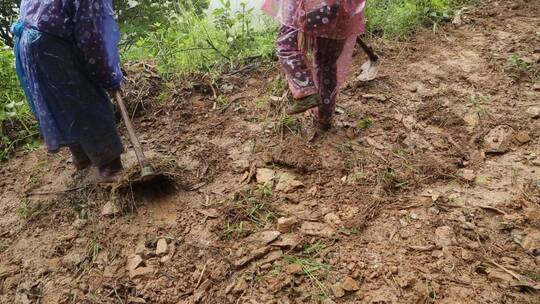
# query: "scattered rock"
[445,236]
[271,257]
[472,120]
[294,269]
[338,291]
[134,262]
[262,238]
[531,241]
[523,137]
[498,139]
[73,259]
[110,209]
[372,142]
[499,276]
[255,254]
[534,112]
[333,220]
[377,97]
[416,141]
[409,122]
[286,224]
[536,86]
[141,249]
[317,229]
[289,241]
[201,291]
[161,247]
[136,300]
[240,286]
[80,223]
[288,183]
[141,272]
[467,175]
[265,175]
[350,284]
[211,213]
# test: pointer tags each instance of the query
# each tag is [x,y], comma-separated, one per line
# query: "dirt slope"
[428,191]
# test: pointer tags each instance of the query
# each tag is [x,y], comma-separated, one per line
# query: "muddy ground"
[427,191]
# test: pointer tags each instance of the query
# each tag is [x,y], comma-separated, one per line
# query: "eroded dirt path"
[428,191]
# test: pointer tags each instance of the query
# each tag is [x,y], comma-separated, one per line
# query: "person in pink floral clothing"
[328,31]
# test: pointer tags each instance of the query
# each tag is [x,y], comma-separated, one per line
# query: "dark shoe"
[79,158]
[110,172]
[304,104]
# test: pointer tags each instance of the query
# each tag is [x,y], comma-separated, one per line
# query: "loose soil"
[427,190]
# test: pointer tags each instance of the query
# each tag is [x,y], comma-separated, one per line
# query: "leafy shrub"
[17,126]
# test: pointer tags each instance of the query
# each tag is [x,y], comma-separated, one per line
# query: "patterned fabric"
[66,55]
[89,24]
[329,30]
[337,19]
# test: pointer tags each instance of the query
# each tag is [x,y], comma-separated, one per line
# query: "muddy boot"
[110,172]
[79,158]
[304,104]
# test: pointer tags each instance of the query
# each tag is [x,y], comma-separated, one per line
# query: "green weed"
[397,18]
[29,210]
[17,125]
[364,123]
[516,61]
[93,249]
[3,247]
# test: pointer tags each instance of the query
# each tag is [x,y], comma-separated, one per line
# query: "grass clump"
[397,18]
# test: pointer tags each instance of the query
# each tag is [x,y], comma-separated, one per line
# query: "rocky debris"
[445,236]
[279,282]
[467,175]
[288,183]
[255,254]
[265,175]
[134,262]
[135,300]
[531,241]
[262,238]
[523,137]
[499,276]
[377,97]
[294,269]
[498,139]
[162,247]
[416,141]
[79,223]
[333,220]
[201,291]
[210,213]
[141,272]
[288,241]
[240,286]
[337,290]
[286,224]
[73,259]
[317,229]
[272,256]
[374,143]
[170,254]
[141,249]
[110,209]
[350,284]
[534,112]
